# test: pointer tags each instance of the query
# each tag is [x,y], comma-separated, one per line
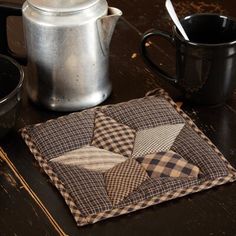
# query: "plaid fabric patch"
[86,187]
[112,136]
[157,139]
[144,113]
[199,153]
[90,158]
[168,164]
[123,179]
[67,133]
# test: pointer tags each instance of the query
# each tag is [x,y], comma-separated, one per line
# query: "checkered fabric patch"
[56,137]
[123,179]
[191,147]
[144,113]
[86,187]
[168,164]
[157,139]
[112,136]
[90,158]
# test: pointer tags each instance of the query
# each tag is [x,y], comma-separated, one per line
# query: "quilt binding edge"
[82,220]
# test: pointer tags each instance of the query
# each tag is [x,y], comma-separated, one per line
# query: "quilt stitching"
[142,113]
[90,194]
[56,137]
[210,166]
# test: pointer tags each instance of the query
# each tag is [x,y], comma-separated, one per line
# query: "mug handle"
[148,61]
[9,9]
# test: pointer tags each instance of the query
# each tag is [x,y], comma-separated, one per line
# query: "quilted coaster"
[112,160]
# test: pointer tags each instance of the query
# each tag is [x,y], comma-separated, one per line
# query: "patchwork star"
[113,136]
[168,164]
[123,179]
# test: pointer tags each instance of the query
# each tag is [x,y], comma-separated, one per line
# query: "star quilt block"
[115,159]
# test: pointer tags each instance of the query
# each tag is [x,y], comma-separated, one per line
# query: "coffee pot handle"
[9,9]
[143,51]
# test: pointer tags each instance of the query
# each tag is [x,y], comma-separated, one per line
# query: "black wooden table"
[30,205]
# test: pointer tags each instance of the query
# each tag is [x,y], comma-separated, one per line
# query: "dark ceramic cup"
[206,64]
[11,80]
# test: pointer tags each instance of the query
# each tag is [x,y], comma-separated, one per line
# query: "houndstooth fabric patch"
[86,187]
[112,136]
[157,139]
[123,179]
[64,134]
[199,153]
[168,164]
[90,158]
[144,113]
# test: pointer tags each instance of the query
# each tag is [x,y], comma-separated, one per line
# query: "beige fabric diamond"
[90,158]
[168,164]
[155,139]
[123,179]
[112,136]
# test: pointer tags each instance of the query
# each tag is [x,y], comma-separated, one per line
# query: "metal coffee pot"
[67,50]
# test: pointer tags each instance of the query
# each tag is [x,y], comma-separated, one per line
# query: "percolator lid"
[62,6]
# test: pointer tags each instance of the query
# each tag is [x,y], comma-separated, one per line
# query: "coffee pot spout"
[106,26]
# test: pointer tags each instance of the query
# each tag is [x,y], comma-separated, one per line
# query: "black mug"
[206,64]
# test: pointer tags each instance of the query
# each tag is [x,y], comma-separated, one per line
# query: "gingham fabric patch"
[157,139]
[112,136]
[90,158]
[123,179]
[168,164]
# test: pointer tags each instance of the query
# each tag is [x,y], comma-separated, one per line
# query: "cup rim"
[21,79]
[180,37]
